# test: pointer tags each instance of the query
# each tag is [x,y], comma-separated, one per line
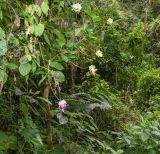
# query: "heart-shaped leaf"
[25,69]
[39,29]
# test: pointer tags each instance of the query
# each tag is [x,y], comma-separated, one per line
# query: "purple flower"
[62,105]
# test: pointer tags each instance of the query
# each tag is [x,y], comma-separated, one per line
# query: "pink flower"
[62,105]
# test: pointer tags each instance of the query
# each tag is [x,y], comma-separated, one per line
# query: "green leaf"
[157,133]
[34,66]
[59,76]
[45,7]
[39,139]
[39,29]
[45,100]
[65,58]
[14,41]
[2,34]
[95,18]
[29,57]
[13,144]
[31,29]
[70,44]
[58,33]
[38,10]
[24,59]
[25,69]
[78,31]
[144,137]
[11,66]
[3,47]
[3,137]
[3,76]
[82,28]
[24,109]
[46,39]
[3,141]
[57,65]
[30,9]
[61,40]
[43,78]
[1,15]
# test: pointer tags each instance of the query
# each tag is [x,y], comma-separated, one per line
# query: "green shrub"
[147,87]
[112,118]
[154,103]
[7,142]
[143,138]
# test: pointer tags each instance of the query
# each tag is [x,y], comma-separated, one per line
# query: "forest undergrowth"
[79,77]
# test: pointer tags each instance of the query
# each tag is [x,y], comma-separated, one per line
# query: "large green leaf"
[39,29]
[57,65]
[3,76]
[59,76]
[25,69]
[45,7]
[3,47]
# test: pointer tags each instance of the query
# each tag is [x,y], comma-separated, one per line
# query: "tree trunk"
[48,116]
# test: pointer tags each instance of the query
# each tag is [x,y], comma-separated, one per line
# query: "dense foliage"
[79,77]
